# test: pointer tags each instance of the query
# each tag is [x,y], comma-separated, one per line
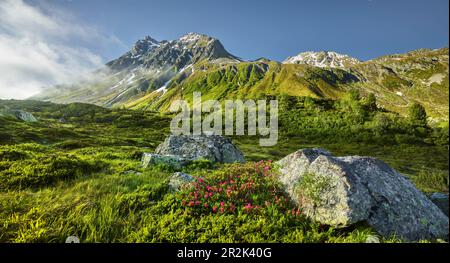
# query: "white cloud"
[43,47]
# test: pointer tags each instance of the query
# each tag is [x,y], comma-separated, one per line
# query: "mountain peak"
[192,37]
[190,48]
[150,39]
[144,45]
[323,59]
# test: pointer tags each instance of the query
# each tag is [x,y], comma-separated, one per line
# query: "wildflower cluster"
[247,188]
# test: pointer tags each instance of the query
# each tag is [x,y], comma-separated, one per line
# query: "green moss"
[311,187]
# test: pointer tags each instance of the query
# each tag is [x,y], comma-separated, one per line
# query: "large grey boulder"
[18,114]
[214,148]
[24,116]
[173,161]
[340,191]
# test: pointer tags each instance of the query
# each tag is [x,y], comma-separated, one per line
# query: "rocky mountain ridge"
[154,73]
[323,59]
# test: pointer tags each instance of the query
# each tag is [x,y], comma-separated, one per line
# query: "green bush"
[417,114]
[432,181]
[381,123]
[72,144]
[12,154]
[407,139]
[44,170]
[200,164]
[143,197]
[242,188]
[439,136]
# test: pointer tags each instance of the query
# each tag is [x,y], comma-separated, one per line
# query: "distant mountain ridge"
[323,59]
[154,73]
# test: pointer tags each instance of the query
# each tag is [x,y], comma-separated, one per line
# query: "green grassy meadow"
[77,172]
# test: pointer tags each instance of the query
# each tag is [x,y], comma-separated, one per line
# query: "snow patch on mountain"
[190,37]
[163,88]
[322,59]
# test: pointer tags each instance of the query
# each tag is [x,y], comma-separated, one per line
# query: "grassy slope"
[420,75]
[75,179]
[250,80]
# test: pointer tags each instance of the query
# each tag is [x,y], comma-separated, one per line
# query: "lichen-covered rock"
[18,114]
[214,148]
[296,164]
[179,180]
[176,162]
[24,116]
[341,191]
[441,200]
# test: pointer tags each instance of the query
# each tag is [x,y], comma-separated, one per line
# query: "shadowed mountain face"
[155,73]
[147,67]
[187,50]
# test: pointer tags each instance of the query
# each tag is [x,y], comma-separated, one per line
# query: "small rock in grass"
[179,180]
[372,239]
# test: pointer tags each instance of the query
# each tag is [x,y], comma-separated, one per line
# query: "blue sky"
[275,29]
[49,42]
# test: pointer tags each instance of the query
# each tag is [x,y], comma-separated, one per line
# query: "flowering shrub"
[239,188]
